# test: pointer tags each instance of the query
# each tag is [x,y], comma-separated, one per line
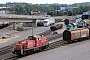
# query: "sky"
[46,1]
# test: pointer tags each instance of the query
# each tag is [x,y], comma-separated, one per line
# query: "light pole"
[32,22]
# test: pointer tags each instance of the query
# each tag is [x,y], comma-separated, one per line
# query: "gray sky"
[46,1]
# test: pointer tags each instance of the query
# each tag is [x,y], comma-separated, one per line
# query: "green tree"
[27,9]
[69,13]
[52,12]
[19,9]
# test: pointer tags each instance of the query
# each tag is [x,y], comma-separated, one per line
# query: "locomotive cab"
[32,38]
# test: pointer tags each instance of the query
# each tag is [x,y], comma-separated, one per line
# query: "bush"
[20,29]
[40,24]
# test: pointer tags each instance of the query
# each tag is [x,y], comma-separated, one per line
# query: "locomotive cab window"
[37,38]
[31,38]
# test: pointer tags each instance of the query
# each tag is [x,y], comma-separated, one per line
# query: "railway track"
[9,48]
[45,33]
[55,37]
[51,46]
[6,49]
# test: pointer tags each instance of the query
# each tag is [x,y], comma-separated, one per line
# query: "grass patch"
[58,20]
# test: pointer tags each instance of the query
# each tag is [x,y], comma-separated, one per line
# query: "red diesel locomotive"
[33,43]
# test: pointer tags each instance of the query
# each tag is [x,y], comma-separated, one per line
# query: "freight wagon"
[1,24]
[4,24]
[76,34]
[32,44]
[56,27]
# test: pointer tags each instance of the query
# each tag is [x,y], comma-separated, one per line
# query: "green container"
[71,26]
[81,24]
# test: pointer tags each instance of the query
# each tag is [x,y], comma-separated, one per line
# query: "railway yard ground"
[56,51]
[20,35]
[7,35]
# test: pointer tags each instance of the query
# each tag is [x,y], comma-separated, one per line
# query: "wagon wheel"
[69,41]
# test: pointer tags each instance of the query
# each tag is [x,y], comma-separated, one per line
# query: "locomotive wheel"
[41,49]
[24,53]
[68,42]
[19,54]
[29,52]
[47,47]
